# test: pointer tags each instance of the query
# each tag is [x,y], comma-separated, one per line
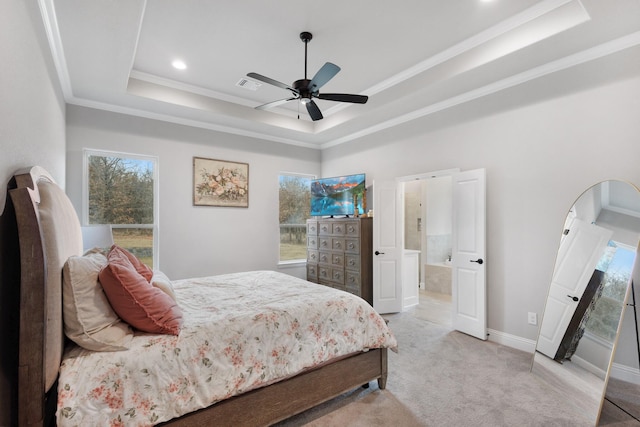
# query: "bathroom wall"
[439,218]
[427,228]
[413,221]
[439,209]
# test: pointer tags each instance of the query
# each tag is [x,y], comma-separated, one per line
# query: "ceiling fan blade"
[271,81]
[274,103]
[314,111]
[323,75]
[343,97]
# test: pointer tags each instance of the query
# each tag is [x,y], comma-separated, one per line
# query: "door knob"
[379,253]
[479,261]
[574,298]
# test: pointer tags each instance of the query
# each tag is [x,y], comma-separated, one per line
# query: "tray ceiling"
[412,57]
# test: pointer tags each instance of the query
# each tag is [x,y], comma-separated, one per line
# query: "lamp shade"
[97,236]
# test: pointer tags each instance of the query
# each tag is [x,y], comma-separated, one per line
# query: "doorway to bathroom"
[396,270]
[428,224]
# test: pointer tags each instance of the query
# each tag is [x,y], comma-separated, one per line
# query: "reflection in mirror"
[587,296]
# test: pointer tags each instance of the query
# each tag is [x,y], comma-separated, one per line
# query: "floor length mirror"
[591,282]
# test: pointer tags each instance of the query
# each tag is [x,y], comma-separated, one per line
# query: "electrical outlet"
[533,318]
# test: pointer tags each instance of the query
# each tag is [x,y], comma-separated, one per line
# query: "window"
[294,201]
[121,190]
[617,263]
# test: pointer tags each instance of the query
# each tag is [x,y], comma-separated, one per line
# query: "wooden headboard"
[49,233]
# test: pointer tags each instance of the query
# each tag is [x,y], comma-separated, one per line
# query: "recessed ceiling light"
[179,64]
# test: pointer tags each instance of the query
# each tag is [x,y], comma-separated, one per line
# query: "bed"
[218,325]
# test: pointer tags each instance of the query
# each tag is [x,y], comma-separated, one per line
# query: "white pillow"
[162,282]
[89,320]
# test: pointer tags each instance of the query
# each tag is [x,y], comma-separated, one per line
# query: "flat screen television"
[335,196]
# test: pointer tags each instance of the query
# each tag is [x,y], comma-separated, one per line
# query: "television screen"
[335,196]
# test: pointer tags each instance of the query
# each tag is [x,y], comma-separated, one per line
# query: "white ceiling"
[411,57]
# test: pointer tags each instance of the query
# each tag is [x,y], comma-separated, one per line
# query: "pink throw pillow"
[135,300]
[140,267]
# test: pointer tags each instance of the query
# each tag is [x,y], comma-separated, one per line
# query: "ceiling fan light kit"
[305,90]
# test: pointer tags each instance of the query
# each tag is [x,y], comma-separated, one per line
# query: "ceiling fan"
[305,90]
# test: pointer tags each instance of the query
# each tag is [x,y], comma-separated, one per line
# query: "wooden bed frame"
[41,336]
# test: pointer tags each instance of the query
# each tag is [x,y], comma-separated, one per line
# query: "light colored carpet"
[441,377]
[622,404]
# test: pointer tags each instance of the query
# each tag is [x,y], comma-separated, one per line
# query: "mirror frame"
[553,371]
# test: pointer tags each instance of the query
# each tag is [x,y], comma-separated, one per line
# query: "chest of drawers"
[339,254]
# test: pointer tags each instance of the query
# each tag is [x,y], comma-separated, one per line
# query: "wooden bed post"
[31,382]
[382,381]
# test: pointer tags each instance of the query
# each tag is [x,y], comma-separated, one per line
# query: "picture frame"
[221,183]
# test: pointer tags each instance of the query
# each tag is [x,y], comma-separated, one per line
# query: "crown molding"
[47,10]
[479,39]
[81,102]
[582,57]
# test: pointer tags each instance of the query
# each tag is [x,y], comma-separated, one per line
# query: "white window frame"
[156,194]
[292,262]
[604,342]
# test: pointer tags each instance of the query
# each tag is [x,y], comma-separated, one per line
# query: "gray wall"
[539,155]
[32,109]
[32,131]
[196,240]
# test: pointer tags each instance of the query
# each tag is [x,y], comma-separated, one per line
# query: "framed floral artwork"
[220,183]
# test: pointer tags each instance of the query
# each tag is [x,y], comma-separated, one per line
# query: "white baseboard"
[625,373]
[512,341]
[600,373]
[618,371]
[410,302]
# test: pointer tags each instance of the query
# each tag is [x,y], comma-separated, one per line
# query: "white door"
[578,257]
[387,250]
[468,287]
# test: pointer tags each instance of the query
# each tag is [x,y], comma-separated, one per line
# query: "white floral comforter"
[241,331]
